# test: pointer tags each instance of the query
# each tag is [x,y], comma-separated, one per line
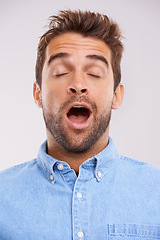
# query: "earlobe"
[37,94]
[118,96]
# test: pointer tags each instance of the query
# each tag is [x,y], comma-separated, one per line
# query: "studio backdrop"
[134,127]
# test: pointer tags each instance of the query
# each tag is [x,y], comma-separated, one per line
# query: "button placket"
[80,208]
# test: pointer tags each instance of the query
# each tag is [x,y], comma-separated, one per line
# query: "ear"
[118,96]
[37,94]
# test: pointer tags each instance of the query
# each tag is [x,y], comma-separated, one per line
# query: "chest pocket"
[133,232]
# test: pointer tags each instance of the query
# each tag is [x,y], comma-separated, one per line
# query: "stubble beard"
[77,140]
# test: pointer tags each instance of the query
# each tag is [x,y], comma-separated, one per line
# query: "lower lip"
[75,125]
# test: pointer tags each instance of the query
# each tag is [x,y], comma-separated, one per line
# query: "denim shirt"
[114,197]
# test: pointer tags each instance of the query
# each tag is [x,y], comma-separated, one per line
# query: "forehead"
[76,44]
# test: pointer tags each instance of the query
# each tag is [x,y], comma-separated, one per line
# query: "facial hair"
[77,140]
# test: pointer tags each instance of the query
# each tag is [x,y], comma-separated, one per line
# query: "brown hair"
[89,24]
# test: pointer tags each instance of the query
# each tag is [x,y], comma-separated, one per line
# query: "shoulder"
[16,169]
[13,176]
[139,170]
[139,164]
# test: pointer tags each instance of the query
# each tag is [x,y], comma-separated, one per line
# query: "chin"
[76,149]
[78,145]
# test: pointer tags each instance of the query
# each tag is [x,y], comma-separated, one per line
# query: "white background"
[134,127]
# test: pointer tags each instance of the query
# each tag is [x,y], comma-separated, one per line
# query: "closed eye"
[93,75]
[61,74]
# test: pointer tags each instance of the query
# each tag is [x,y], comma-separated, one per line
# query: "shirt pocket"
[133,232]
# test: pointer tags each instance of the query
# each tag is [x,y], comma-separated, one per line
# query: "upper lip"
[79,104]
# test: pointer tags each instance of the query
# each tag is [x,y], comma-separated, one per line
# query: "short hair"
[88,24]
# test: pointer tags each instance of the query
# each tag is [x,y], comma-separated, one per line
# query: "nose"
[78,85]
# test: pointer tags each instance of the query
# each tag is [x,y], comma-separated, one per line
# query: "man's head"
[76,85]
[89,24]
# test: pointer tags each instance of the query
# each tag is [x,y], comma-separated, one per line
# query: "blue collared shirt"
[114,197]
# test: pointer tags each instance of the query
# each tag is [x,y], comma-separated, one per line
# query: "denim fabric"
[114,197]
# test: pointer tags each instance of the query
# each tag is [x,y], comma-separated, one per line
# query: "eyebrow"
[98,57]
[58,55]
[92,56]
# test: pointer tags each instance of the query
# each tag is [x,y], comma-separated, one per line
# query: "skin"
[77,78]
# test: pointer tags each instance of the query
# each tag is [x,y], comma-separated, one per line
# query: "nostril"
[83,90]
[73,90]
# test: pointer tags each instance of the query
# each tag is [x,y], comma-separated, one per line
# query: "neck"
[75,159]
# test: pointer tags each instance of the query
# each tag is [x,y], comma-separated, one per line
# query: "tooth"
[78,107]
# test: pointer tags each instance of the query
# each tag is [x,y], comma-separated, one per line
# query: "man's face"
[77,91]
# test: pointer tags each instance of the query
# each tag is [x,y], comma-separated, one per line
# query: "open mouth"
[78,116]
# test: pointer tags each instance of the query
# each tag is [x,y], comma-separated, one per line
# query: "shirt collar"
[46,162]
[103,162]
[106,160]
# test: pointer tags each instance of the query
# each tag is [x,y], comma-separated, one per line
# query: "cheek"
[52,99]
[105,104]
[103,97]
[55,88]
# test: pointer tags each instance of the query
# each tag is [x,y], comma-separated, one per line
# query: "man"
[79,187]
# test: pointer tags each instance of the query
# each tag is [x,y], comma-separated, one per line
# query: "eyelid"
[61,74]
[95,70]
[59,69]
[94,75]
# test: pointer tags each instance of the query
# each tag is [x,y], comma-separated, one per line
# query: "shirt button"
[99,174]
[79,195]
[51,177]
[80,234]
[60,166]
